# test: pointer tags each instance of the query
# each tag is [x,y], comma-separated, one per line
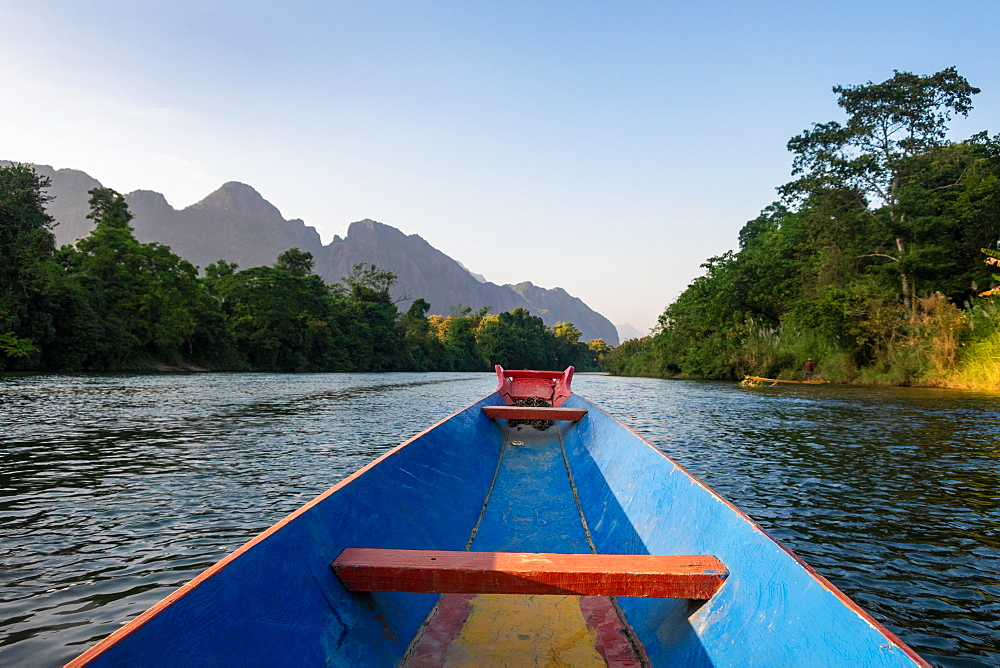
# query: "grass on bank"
[941,346]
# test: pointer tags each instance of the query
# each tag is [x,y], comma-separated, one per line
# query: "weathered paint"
[773,609]
[615,640]
[461,572]
[490,629]
[441,628]
[277,602]
[531,508]
[525,631]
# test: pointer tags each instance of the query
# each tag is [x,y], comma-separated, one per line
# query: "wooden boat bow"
[483,541]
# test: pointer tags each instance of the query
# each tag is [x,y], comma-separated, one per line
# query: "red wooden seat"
[552,386]
[656,576]
[534,413]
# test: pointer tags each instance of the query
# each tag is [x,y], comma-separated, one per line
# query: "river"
[114,490]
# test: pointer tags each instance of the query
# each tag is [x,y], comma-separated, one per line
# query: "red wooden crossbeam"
[531,373]
[656,576]
[522,388]
[534,413]
[552,386]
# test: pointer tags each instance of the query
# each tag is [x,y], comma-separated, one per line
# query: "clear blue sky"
[607,148]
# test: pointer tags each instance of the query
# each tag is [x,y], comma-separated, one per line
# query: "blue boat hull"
[465,484]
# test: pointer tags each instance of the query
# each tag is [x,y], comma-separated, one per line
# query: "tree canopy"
[864,264]
[891,127]
[111,302]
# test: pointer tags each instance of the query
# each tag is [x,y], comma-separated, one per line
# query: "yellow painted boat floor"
[531,508]
[512,629]
[523,630]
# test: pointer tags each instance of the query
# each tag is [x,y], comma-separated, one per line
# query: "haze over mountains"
[628,331]
[235,223]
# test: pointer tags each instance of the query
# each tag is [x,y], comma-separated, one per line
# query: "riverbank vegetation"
[110,303]
[870,264]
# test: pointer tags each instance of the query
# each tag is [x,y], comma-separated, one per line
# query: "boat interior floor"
[532,507]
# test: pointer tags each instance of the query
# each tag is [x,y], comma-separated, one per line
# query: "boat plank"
[531,373]
[534,413]
[457,572]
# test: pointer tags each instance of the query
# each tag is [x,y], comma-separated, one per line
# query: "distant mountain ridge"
[627,331]
[235,223]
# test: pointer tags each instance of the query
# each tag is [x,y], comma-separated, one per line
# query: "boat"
[755,381]
[529,528]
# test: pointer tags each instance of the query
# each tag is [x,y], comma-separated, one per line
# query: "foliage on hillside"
[870,264]
[112,303]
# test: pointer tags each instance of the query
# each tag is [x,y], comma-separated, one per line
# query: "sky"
[608,148]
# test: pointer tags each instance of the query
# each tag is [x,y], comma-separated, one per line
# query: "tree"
[422,350]
[46,319]
[370,284]
[599,349]
[26,250]
[888,125]
[148,298]
[374,313]
[219,269]
[458,334]
[516,340]
[298,263]
[281,321]
[951,197]
[811,277]
[568,349]
[766,274]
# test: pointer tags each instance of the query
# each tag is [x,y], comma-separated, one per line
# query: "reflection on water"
[891,493]
[116,489]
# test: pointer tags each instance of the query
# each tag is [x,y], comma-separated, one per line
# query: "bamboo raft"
[757,381]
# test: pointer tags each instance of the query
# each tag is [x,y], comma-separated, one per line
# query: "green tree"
[373,316]
[889,124]
[47,320]
[516,340]
[148,298]
[458,334]
[298,263]
[599,349]
[766,274]
[631,358]
[568,349]
[220,269]
[280,321]
[951,197]
[27,246]
[422,350]
[814,279]
[370,284]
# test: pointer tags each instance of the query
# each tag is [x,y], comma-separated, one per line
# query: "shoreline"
[930,385]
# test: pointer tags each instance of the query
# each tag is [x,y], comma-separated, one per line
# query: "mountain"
[426,272]
[71,204]
[626,331]
[235,223]
[423,270]
[557,305]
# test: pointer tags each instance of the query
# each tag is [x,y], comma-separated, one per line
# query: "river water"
[114,490]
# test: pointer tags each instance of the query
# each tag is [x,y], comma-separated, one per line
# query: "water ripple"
[115,490]
[891,493]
